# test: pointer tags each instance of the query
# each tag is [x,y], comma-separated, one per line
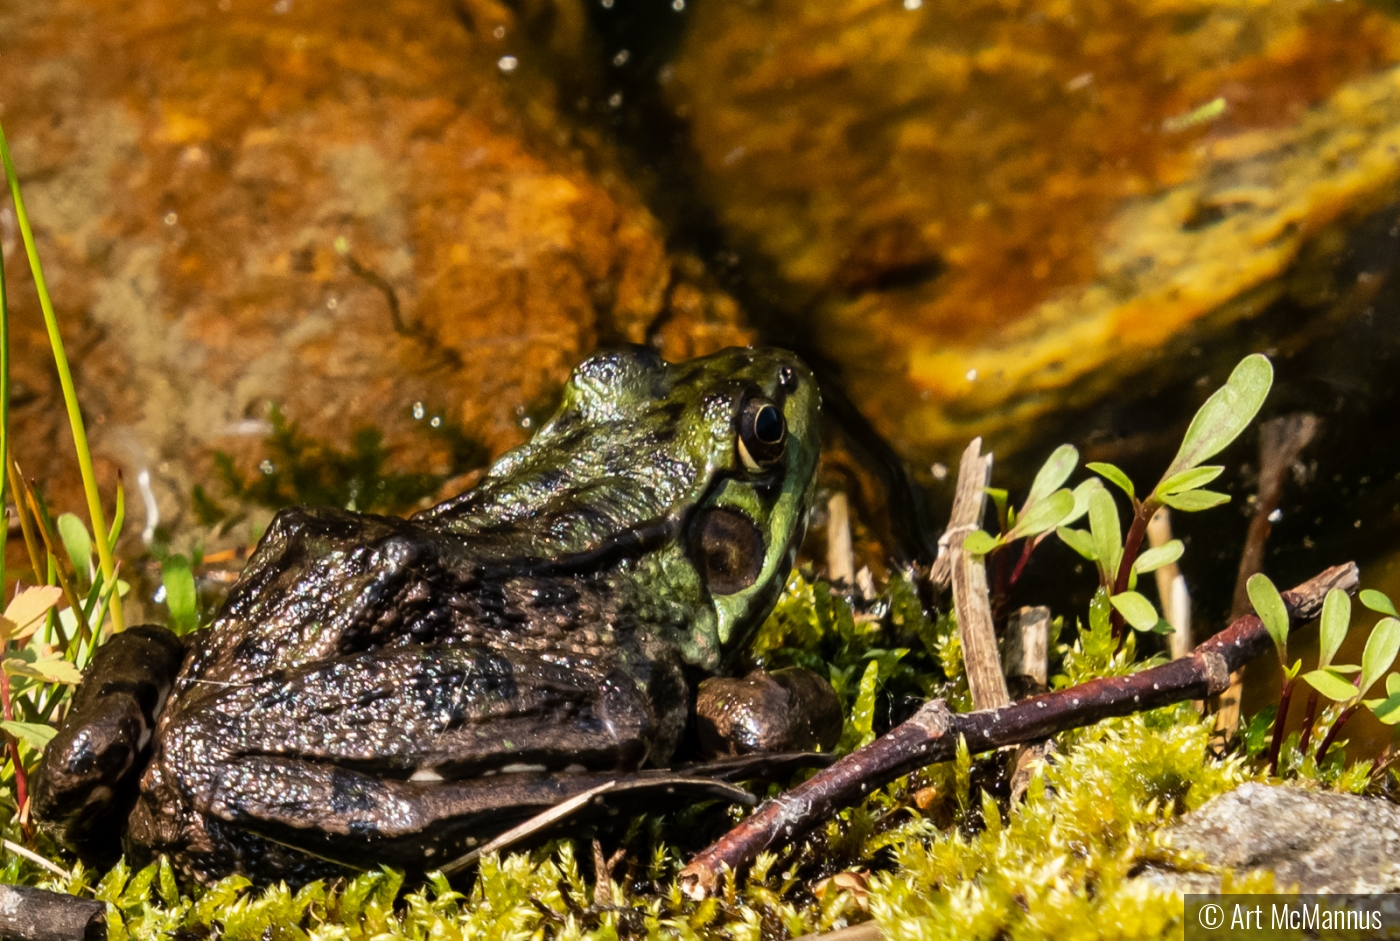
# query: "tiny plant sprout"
[1047,505]
[1269,606]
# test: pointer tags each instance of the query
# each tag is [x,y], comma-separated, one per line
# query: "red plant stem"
[1125,567]
[1025,557]
[7,708]
[1280,720]
[1308,719]
[1336,730]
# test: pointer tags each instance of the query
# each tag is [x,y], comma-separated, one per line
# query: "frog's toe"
[86,783]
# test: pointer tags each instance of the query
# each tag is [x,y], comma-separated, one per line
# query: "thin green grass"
[65,377]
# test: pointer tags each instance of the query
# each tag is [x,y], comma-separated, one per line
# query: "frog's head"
[697,475]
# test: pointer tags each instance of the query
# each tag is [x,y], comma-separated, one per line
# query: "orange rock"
[339,208]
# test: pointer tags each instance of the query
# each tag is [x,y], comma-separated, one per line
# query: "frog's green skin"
[380,690]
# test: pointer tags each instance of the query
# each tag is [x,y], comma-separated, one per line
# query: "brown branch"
[932,734]
[28,914]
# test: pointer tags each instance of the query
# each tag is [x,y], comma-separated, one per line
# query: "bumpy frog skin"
[383,690]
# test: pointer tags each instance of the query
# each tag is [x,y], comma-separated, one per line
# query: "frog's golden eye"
[762,434]
[727,550]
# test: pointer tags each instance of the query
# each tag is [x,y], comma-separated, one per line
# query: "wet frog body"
[383,690]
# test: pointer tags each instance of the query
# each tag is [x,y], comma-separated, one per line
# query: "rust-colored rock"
[996,210]
[339,208]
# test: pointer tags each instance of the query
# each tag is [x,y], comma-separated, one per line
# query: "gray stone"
[1319,841]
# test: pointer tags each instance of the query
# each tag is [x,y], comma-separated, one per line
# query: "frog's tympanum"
[383,690]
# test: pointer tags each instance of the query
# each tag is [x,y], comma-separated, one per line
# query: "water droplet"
[499,32]
[436,421]
[507,63]
[418,410]
[913,4]
[615,100]
[526,422]
[332,303]
[939,471]
[972,375]
[267,467]
[678,5]
[622,57]
[282,6]
[171,218]
[1275,516]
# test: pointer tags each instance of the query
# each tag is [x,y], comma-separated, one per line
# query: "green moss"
[943,853]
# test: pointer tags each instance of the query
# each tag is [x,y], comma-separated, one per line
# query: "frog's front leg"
[792,709]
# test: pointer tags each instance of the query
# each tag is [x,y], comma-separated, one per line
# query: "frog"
[380,690]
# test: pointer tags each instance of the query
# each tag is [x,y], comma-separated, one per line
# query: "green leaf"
[1268,604]
[1387,711]
[1153,559]
[48,670]
[1193,501]
[1113,475]
[1225,414]
[180,595]
[999,498]
[1136,610]
[1081,499]
[1378,601]
[32,733]
[1336,616]
[979,542]
[1043,516]
[1188,480]
[1381,648]
[1108,537]
[1052,474]
[78,544]
[1078,540]
[1329,684]
[1292,672]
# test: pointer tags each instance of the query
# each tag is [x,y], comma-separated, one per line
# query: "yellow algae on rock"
[993,210]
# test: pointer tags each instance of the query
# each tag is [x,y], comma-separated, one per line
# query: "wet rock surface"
[367,215]
[989,213]
[1316,841]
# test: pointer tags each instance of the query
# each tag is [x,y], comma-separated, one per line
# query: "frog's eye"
[727,550]
[762,434]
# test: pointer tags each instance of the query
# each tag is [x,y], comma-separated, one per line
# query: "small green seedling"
[1216,424]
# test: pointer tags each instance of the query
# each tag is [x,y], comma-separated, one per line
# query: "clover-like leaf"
[1042,516]
[1052,474]
[26,610]
[48,670]
[1155,558]
[1079,541]
[1194,501]
[1336,616]
[35,734]
[1378,601]
[979,542]
[1225,414]
[1334,687]
[1136,610]
[1113,475]
[1268,604]
[1381,648]
[1192,479]
[1108,536]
